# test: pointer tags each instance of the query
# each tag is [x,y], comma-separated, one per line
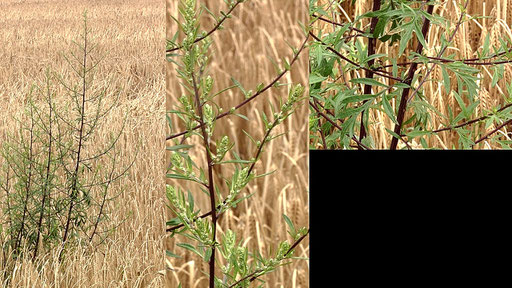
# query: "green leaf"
[461,103]
[177,176]
[388,109]
[395,67]
[182,177]
[393,133]
[497,75]
[404,40]
[347,128]
[169,122]
[313,79]
[236,161]
[207,255]
[179,147]
[400,85]
[418,133]
[170,254]
[419,35]
[424,143]
[446,79]
[358,98]
[239,85]
[189,247]
[290,224]
[190,200]
[485,49]
[375,56]
[325,68]
[368,81]
[379,28]
[173,222]
[241,116]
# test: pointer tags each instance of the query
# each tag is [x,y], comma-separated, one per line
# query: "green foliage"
[199,114]
[343,70]
[56,183]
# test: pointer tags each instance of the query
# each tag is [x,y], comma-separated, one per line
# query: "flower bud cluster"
[240,179]
[295,95]
[179,165]
[209,118]
[223,146]
[188,11]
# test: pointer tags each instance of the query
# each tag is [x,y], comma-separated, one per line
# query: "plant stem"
[246,101]
[46,192]
[425,78]
[19,237]
[253,276]
[352,62]
[211,185]
[369,73]
[322,136]
[74,184]
[471,121]
[336,23]
[492,132]
[103,201]
[408,80]
[361,145]
[215,28]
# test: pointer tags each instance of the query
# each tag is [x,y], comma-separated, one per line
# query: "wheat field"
[131,34]
[495,17]
[258,31]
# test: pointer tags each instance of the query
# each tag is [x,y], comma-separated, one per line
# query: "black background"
[409,218]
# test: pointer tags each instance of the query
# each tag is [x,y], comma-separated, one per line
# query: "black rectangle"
[409,218]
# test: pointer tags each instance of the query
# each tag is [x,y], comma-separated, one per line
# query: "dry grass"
[258,30]
[32,34]
[468,40]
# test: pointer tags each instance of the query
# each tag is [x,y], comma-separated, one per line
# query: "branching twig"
[248,100]
[211,184]
[254,275]
[408,81]
[492,132]
[369,74]
[46,186]
[215,28]
[352,62]
[361,145]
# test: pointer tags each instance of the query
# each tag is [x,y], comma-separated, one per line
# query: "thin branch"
[473,61]
[369,74]
[254,275]
[408,80]
[104,200]
[46,189]
[492,132]
[337,126]
[459,23]
[215,28]
[254,96]
[336,23]
[352,62]
[211,184]
[324,143]
[28,181]
[74,181]
[470,121]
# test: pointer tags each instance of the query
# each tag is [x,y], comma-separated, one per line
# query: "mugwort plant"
[196,155]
